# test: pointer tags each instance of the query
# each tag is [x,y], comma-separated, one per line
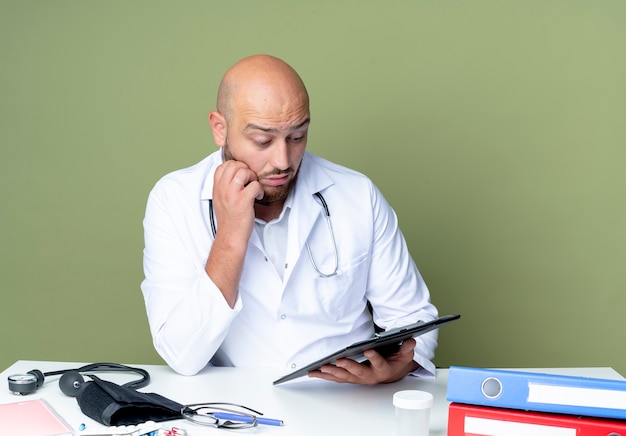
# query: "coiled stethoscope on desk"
[308,247]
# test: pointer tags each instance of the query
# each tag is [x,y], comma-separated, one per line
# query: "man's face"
[272,146]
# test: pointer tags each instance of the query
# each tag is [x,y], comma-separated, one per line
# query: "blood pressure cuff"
[114,405]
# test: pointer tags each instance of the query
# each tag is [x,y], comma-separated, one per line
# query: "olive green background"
[495,129]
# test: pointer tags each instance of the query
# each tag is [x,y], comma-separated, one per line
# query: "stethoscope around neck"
[308,247]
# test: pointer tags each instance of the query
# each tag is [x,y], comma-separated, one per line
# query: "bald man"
[264,255]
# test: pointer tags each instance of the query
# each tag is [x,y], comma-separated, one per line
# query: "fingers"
[235,187]
[350,371]
[346,371]
[233,177]
[404,354]
[407,347]
[376,370]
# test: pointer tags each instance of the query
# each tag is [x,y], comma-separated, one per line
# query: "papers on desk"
[32,418]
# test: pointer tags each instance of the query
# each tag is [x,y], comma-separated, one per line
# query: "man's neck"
[268,212]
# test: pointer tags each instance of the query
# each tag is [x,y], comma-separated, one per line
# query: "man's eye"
[262,142]
[297,139]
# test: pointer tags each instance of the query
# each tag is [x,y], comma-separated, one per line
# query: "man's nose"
[280,155]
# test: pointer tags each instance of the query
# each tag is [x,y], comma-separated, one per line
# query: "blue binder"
[538,392]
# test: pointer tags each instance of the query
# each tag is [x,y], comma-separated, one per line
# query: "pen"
[245,418]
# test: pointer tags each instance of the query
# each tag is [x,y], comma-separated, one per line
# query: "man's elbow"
[181,363]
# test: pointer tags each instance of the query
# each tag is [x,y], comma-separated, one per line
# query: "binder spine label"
[573,396]
[494,427]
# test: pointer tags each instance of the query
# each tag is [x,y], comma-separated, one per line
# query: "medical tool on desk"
[71,379]
[226,415]
[308,247]
[126,411]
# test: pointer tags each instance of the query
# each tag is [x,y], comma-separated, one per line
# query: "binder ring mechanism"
[492,388]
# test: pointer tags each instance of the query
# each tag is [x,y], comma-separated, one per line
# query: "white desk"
[308,407]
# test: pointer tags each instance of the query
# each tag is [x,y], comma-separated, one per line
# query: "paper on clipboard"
[386,343]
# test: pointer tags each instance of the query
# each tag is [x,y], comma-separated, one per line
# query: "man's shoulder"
[191,178]
[333,168]
[198,168]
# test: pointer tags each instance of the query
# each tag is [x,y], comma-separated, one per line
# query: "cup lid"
[413,399]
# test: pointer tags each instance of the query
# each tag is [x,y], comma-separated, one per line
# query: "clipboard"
[386,343]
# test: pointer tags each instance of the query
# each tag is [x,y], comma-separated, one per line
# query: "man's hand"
[235,187]
[379,369]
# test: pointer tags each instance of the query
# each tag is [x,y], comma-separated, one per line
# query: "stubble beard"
[271,194]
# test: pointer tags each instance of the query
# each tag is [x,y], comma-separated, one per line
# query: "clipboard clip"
[393,331]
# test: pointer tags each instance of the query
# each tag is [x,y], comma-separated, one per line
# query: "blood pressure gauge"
[23,384]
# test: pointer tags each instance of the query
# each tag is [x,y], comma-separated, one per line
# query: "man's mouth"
[276,180]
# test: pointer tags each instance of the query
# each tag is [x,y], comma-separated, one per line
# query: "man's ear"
[218,127]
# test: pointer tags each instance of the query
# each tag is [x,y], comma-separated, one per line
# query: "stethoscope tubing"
[308,247]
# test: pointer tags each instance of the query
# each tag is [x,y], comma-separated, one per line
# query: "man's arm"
[234,191]
[190,308]
[187,313]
